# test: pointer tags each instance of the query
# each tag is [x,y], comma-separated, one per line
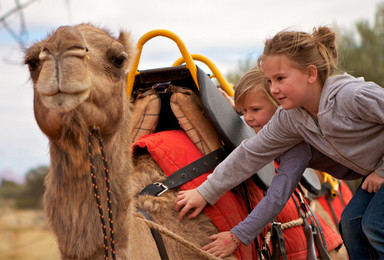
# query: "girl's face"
[257,110]
[288,84]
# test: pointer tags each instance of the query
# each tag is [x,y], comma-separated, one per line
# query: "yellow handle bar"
[146,37]
[216,73]
[333,182]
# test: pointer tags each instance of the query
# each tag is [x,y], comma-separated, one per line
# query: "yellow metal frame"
[215,71]
[333,182]
[146,37]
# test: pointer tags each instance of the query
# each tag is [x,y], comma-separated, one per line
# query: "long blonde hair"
[252,82]
[318,48]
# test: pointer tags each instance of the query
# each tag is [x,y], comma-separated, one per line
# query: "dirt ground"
[24,234]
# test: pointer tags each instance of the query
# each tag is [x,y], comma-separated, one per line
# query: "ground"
[25,235]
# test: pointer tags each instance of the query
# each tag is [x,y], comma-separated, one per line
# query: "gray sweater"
[349,130]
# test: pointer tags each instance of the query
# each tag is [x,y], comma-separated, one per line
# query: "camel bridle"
[96,131]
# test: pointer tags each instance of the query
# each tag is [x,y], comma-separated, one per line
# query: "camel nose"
[64,68]
[73,39]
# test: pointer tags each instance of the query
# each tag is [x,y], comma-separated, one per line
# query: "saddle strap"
[156,236]
[320,230]
[317,236]
[329,201]
[278,241]
[187,173]
[323,253]
[311,252]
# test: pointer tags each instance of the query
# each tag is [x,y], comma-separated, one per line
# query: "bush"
[28,195]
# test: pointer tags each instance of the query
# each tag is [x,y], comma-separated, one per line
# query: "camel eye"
[32,65]
[119,61]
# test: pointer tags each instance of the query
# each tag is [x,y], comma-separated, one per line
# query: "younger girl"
[340,115]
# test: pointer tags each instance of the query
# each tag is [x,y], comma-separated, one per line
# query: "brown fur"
[78,76]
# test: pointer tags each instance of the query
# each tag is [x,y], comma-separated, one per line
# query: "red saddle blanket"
[173,150]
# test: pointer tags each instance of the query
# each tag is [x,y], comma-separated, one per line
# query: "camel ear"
[125,38]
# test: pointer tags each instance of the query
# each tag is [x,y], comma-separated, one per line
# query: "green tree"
[10,189]
[31,196]
[364,55]
[243,66]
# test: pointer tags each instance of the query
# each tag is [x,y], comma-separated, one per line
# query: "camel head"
[79,74]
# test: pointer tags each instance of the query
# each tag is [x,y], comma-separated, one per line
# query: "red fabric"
[346,194]
[295,240]
[173,150]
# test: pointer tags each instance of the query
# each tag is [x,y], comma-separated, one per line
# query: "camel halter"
[92,131]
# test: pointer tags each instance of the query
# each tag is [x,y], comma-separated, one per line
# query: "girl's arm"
[244,161]
[292,165]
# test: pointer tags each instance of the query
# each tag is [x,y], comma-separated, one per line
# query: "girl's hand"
[372,183]
[222,245]
[227,97]
[188,200]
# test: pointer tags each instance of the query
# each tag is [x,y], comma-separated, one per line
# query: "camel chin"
[63,102]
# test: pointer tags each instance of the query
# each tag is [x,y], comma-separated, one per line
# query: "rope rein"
[286,225]
[95,130]
[202,253]
[165,231]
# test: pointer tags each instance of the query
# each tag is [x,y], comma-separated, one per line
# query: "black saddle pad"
[231,128]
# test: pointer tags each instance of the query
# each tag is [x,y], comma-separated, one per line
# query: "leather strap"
[244,192]
[187,173]
[329,201]
[278,241]
[156,236]
[323,253]
[311,253]
[317,235]
[162,87]
[319,232]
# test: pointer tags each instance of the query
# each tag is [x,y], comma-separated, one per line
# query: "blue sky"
[225,31]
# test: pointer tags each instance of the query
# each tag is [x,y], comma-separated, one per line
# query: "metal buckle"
[162,186]
[275,223]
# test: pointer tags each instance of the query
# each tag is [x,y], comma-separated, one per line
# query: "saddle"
[168,99]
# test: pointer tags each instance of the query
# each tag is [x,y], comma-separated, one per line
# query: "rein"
[96,131]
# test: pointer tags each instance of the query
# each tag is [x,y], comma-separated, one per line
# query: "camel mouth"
[65,102]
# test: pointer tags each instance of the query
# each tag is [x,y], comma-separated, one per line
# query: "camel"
[78,75]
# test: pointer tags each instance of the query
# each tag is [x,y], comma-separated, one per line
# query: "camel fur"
[79,74]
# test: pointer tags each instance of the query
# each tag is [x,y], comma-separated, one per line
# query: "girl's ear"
[312,74]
